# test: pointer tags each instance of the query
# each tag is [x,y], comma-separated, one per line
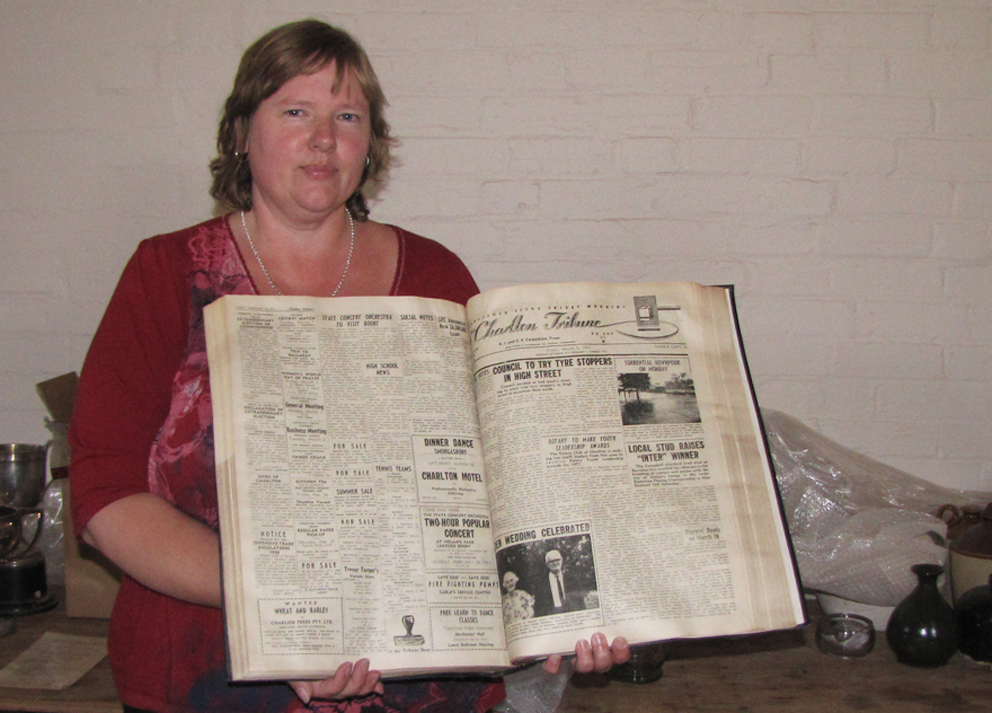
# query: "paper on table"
[55,661]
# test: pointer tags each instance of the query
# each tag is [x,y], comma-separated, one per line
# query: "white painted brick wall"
[831,159]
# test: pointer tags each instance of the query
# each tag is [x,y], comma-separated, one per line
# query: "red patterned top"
[143,423]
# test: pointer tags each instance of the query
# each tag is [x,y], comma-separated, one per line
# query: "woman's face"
[307,146]
[510,581]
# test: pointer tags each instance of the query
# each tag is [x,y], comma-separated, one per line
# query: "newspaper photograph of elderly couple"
[465,489]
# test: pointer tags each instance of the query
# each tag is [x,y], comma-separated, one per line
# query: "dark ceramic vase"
[973,611]
[922,630]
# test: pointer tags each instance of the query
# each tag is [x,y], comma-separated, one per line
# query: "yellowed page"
[354,516]
[624,455]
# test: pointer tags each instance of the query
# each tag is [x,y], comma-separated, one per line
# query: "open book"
[442,488]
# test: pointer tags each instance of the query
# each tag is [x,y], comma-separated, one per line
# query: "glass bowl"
[847,635]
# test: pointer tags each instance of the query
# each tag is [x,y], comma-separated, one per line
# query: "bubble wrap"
[857,525]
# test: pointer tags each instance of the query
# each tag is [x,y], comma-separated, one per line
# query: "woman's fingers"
[353,681]
[621,651]
[601,654]
[596,654]
[349,681]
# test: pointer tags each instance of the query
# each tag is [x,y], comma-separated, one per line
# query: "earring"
[368,162]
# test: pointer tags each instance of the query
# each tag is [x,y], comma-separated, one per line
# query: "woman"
[517,604]
[301,134]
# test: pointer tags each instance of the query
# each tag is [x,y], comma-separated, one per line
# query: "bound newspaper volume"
[441,488]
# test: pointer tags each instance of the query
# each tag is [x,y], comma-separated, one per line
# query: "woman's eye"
[348,116]
[294,112]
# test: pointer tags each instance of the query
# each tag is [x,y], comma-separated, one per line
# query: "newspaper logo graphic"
[646,311]
[647,320]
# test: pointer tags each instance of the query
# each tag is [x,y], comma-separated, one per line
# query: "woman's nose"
[323,138]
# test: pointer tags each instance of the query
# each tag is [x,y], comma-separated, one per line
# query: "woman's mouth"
[320,172]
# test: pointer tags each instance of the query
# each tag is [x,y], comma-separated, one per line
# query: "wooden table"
[784,671]
[93,693]
[771,672]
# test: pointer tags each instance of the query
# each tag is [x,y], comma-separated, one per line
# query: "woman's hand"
[349,681]
[594,655]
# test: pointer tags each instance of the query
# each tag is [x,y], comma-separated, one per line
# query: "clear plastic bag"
[857,525]
[534,690]
[50,541]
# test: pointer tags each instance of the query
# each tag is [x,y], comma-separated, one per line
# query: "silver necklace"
[347,264]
